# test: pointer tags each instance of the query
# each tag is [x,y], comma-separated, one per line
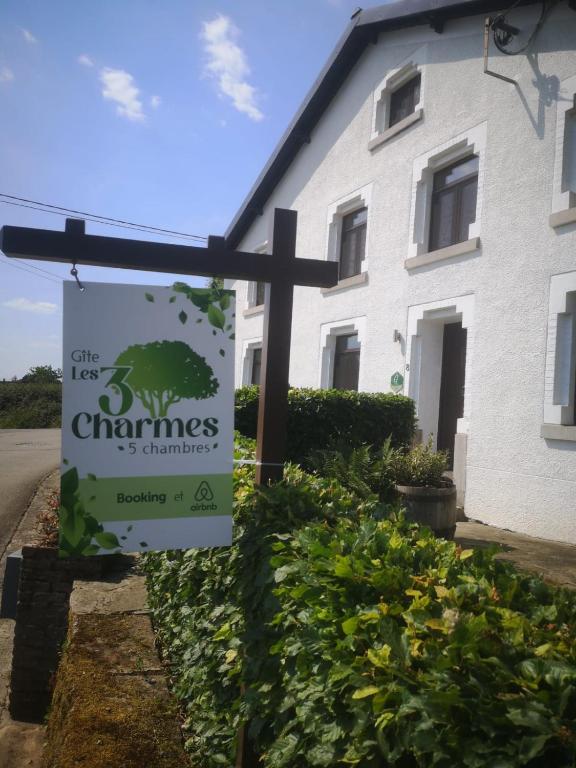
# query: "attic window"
[404,99]
[399,99]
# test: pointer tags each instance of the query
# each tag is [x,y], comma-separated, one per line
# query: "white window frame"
[471,142]
[360,198]
[252,308]
[248,347]
[560,376]
[328,334]
[563,199]
[396,78]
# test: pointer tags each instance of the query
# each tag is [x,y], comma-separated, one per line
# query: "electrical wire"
[502,37]
[95,221]
[24,202]
[24,267]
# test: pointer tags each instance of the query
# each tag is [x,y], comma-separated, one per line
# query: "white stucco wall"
[515,478]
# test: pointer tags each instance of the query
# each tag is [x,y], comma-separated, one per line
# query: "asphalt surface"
[26,457]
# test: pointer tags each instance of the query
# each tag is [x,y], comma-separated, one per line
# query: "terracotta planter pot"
[434,507]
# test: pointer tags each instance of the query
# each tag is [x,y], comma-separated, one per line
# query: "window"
[404,99]
[398,100]
[346,362]
[454,195]
[353,243]
[560,377]
[256,365]
[569,164]
[564,183]
[259,293]
[256,293]
[447,199]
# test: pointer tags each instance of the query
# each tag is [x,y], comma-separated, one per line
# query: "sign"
[397,382]
[148,418]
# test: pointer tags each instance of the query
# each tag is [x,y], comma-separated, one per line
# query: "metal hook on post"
[74,273]
[75,227]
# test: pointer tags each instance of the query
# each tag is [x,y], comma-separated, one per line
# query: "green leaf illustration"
[149,297]
[172,299]
[91,549]
[69,482]
[73,527]
[90,476]
[216,317]
[221,351]
[225,301]
[143,544]
[182,317]
[107,540]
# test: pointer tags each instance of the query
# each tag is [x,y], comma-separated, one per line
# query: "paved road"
[26,457]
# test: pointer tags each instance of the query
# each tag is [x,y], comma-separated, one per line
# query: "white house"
[448,195]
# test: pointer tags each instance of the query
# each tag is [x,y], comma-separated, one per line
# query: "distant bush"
[319,418]
[30,406]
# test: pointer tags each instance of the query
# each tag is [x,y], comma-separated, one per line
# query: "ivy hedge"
[345,636]
[29,406]
[318,418]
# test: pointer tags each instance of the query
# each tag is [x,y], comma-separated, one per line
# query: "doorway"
[452,378]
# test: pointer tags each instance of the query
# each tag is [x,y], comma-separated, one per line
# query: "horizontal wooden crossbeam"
[214,261]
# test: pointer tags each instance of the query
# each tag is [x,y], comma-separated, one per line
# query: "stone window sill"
[450,252]
[558,432]
[348,282]
[389,133]
[561,218]
[257,310]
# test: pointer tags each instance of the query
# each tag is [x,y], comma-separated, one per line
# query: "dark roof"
[361,31]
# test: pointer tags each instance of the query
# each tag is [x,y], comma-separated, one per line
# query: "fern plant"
[363,470]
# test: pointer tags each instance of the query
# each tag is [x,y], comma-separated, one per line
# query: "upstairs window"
[353,243]
[453,209]
[346,362]
[404,99]
[259,293]
[569,159]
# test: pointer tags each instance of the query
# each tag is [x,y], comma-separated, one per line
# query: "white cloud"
[85,60]
[155,102]
[118,86]
[228,65]
[6,75]
[25,305]
[28,36]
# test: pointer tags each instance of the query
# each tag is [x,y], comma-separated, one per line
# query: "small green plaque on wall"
[397,382]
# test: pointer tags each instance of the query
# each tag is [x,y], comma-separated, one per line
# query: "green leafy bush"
[319,418]
[213,608]
[401,649]
[344,639]
[29,405]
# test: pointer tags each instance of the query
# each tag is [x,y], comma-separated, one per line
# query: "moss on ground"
[105,714]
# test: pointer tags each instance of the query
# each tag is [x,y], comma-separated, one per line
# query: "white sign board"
[148,418]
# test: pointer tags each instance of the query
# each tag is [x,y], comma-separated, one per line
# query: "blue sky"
[160,113]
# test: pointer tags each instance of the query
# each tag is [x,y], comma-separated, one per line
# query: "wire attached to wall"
[503,32]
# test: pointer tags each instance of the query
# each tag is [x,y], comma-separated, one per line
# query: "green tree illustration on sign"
[165,372]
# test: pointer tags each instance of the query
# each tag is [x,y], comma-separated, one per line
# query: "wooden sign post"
[281,269]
